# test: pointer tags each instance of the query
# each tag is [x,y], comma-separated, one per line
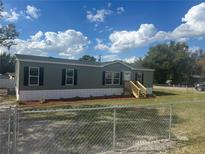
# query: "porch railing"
[134,89]
[142,88]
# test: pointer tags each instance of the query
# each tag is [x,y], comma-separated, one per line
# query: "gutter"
[85,65]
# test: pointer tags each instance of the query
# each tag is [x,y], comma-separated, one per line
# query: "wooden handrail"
[142,88]
[141,85]
[135,90]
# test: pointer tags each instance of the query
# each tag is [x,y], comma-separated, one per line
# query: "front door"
[139,77]
[127,75]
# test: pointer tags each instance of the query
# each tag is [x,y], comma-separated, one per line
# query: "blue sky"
[115,29]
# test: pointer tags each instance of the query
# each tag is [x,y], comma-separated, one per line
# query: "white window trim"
[69,77]
[30,67]
[116,78]
[112,78]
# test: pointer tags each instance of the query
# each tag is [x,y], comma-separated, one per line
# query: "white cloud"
[131,59]
[120,10]
[126,40]
[10,16]
[192,26]
[98,16]
[193,23]
[110,57]
[100,45]
[68,43]
[194,48]
[32,12]
[3,49]
[37,36]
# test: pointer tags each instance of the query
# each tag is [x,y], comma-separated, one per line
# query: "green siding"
[88,77]
[148,77]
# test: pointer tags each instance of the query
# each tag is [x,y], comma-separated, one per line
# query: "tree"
[88,58]
[199,57]
[171,62]
[7,63]
[7,35]
[7,32]
[201,65]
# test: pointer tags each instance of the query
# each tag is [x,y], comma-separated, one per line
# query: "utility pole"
[100,58]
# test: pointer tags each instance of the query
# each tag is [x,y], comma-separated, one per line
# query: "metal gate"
[8,130]
[85,130]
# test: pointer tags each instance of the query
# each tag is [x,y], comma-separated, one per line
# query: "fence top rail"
[92,108]
[59,109]
[4,108]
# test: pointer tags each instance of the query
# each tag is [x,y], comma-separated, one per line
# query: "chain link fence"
[118,129]
[4,130]
[8,130]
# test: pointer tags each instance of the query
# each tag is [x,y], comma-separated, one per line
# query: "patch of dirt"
[181,137]
[147,147]
[70,101]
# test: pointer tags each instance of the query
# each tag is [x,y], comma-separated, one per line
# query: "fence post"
[170,121]
[9,129]
[114,128]
[15,130]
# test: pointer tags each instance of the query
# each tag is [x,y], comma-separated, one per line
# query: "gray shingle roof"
[52,59]
[136,66]
[75,62]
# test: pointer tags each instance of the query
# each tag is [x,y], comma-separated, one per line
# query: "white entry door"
[127,75]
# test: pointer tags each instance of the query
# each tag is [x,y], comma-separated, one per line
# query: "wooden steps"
[135,88]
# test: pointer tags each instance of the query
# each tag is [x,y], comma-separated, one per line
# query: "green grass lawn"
[162,96]
[188,125]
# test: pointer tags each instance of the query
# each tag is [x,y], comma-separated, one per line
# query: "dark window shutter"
[121,77]
[41,76]
[25,79]
[103,78]
[142,78]
[75,76]
[136,76]
[63,76]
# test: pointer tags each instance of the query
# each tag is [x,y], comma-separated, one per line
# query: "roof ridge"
[50,57]
[33,58]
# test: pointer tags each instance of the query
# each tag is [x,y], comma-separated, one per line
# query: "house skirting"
[149,91]
[26,95]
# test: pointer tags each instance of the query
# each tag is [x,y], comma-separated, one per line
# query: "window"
[116,78]
[108,78]
[112,78]
[33,76]
[69,77]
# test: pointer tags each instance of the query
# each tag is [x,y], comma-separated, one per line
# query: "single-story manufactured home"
[42,78]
